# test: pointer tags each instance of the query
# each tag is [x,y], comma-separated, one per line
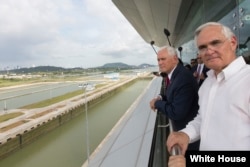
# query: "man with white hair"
[223,120]
[178,99]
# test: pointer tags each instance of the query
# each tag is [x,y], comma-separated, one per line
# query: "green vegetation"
[12,82]
[6,117]
[57,74]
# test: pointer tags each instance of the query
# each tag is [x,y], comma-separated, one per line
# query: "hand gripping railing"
[176,150]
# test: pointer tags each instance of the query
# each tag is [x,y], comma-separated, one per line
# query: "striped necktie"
[198,73]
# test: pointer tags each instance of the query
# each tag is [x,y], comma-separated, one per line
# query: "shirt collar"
[170,74]
[201,65]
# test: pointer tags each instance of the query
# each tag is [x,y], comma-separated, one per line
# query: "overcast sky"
[68,33]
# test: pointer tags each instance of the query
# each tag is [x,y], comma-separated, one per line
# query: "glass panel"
[244,27]
[237,18]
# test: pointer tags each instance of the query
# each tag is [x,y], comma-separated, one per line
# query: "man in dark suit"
[200,71]
[179,98]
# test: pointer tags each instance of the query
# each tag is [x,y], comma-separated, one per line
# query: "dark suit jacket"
[180,103]
[204,72]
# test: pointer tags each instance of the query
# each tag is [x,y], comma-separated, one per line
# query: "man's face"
[166,63]
[215,49]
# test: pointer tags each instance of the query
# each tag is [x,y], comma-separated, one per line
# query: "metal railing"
[159,155]
[176,150]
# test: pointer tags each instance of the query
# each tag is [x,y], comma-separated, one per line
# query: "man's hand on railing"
[177,161]
[177,139]
[152,102]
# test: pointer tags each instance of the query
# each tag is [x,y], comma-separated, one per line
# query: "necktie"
[198,73]
[199,70]
[167,81]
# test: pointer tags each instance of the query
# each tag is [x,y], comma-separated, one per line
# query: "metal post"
[5,106]
[84,86]
[180,49]
[87,124]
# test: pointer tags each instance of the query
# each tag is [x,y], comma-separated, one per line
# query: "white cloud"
[68,33]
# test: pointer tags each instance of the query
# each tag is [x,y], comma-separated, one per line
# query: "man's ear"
[233,42]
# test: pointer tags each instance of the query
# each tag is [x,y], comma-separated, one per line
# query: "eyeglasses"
[215,44]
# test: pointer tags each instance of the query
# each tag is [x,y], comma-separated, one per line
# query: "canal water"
[66,145]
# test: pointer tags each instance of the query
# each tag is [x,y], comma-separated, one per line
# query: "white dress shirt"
[223,120]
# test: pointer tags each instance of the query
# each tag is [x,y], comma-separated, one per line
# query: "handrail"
[159,154]
[176,150]
[152,150]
